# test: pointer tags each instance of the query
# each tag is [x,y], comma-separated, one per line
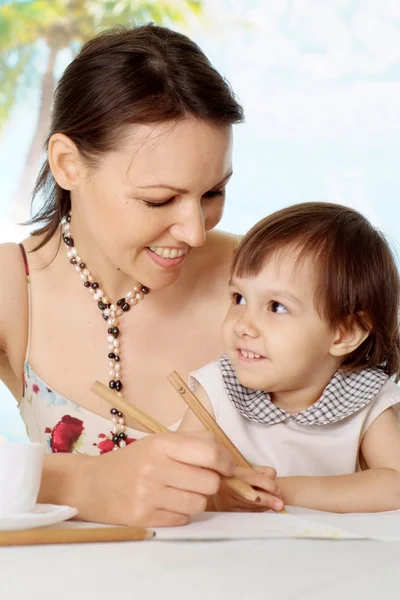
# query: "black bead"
[101,305]
[122,435]
[95,285]
[111,384]
[117,358]
[120,414]
[115,331]
[87,284]
[121,301]
[118,385]
[82,265]
[125,307]
[145,290]
[114,411]
[69,241]
[109,330]
[69,219]
[73,261]
[105,317]
[111,355]
[115,439]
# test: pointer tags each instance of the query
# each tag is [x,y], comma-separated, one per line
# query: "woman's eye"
[238,299]
[158,204]
[214,193]
[277,307]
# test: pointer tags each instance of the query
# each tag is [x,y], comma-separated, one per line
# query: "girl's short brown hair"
[358,280]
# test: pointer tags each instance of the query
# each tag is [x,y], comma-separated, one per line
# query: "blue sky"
[320,84]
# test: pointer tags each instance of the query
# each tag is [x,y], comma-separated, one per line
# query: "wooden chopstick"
[243,489]
[91,535]
[207,420]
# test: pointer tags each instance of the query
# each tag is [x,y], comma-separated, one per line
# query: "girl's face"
[274,335]
[149,203]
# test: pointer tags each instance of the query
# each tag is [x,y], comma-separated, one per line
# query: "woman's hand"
[262,478]
[160,480]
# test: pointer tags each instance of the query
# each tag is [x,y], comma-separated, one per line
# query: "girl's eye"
[277,307]
[238,299]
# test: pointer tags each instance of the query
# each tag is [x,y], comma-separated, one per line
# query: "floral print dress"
[63,425]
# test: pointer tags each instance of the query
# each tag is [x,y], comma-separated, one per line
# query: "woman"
[127,279]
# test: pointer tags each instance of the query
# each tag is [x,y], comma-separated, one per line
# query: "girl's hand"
[262,478]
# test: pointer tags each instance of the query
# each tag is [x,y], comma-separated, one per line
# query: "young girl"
[311,341]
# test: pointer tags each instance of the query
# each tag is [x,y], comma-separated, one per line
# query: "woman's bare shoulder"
[12,279]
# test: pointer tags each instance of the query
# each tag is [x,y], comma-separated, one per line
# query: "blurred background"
[319,81]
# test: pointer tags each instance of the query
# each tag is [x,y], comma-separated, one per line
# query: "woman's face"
[148,203]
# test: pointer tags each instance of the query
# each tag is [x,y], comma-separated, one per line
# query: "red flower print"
[47,430]
[107,445]
[35,388]
[65,434]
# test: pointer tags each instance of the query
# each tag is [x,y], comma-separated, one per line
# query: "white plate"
[41,515]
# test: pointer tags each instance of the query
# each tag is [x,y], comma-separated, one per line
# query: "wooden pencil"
[86,535]
[207,420]
[243,489]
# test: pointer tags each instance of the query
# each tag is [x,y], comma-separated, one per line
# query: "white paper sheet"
[297,523]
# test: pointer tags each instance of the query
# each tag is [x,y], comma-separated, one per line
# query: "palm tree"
[30,29]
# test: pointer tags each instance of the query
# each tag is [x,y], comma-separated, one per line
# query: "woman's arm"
[373,490]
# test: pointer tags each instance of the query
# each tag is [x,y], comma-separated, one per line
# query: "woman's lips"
[166,262]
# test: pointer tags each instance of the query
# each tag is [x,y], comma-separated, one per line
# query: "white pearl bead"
[132,301]
[90,278]
[69,254]
[100,292]
[139,296]
[121,421]
[122,428]
[116,343]
[78,258]
[83,277]
[77,268]
[116,351]
[111,374]
[111,347]
[74,251]
[119,312]
[137,288]
[116,429]
[86,272]
[115,420]
[122,444]
[110,339]
[105,300]
[111,364]
[117,367]
[111,321]
[130,295]
[92,291]
[107,312]
[115,448]
[96,296]
[112,313]
[113,307]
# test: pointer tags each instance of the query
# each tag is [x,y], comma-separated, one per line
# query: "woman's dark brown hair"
[136,75]
[358,280]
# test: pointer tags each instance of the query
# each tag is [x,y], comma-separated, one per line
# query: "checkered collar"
[345,394]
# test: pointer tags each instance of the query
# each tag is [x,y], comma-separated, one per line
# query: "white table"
[260,569]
